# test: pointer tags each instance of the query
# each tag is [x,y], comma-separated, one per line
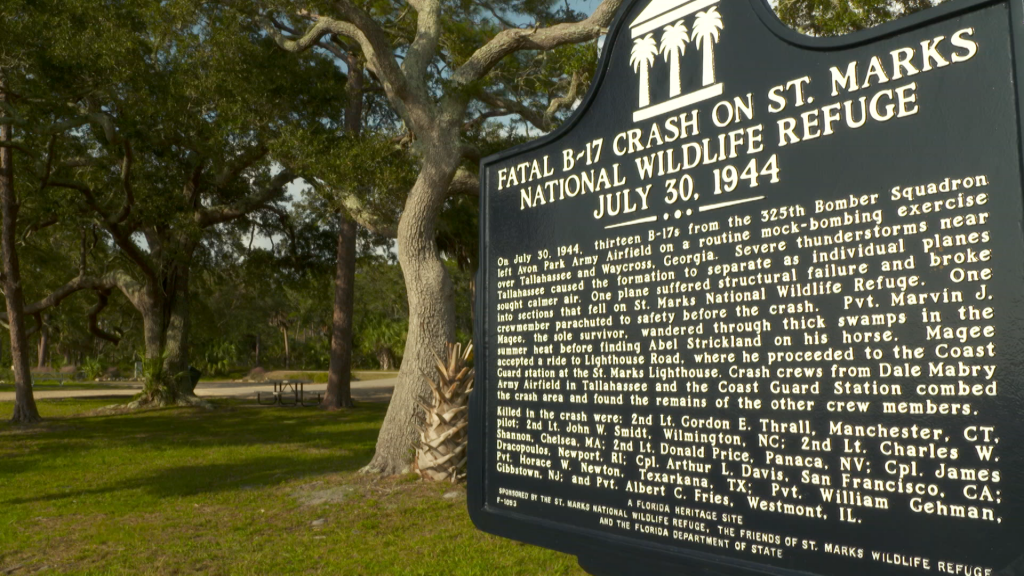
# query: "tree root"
[350,405]
[159,400]
[24,416]
[191,400]
[376,468]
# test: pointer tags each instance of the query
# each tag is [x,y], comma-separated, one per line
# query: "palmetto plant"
[92,367]
[707,28]
[441,454]
[642,58]
[673,46]
[219,357]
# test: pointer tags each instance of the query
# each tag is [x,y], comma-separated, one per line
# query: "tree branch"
[360,27]
[121,237]
[20,148]
[75,285]
[87,193]
[55,128]
[35,329]
[106,122]
[220,214]
[564,101]
[367,218]
[542,121]
[465,182]
[126,184]
[78,163]
[48,168]
[83,252]
[513,40]
[105,282]
[497,16]
[537,119]
[37,226]
[484,116]
[94,312]
[191,189]
[424,46]
[239,164]
[124,241]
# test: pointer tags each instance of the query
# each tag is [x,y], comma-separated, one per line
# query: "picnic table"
[290,388]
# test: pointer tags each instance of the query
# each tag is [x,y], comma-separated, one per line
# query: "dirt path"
[368,391]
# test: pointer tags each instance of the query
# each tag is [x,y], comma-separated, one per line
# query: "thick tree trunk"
[339,384]
[24,403]
[176,341]
[431,304]
[165,326]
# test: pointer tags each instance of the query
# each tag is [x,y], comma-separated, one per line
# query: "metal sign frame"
[603,553]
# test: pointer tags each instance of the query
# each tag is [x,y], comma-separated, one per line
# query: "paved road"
[368,391]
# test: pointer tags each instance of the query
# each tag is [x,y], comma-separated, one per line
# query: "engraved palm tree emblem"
[680,24]
[707,28]
[673,45]
[642,58]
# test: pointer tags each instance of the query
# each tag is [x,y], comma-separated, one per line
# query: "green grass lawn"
[236,490]
[53,385]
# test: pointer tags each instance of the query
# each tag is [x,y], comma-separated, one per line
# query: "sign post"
[757,308]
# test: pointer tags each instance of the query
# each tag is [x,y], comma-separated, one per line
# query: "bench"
[288,388]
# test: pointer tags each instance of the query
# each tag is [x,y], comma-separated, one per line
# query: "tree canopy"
[831,18]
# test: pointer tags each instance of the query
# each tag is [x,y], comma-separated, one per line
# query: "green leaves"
[834,18]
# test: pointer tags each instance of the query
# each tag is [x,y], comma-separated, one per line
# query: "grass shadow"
[192,480]
[233,425]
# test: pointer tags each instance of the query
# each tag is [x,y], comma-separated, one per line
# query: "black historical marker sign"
[757,309]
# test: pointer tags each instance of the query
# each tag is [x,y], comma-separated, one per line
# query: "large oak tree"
[172,113]
[440,66]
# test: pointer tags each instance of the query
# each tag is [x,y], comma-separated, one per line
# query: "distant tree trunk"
[257,351]
[339,380]
[24,403]
[339,377]
[385,357]
[44,344]
[287,351]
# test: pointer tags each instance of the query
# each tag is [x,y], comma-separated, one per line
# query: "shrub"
[218,358]
[93,368]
